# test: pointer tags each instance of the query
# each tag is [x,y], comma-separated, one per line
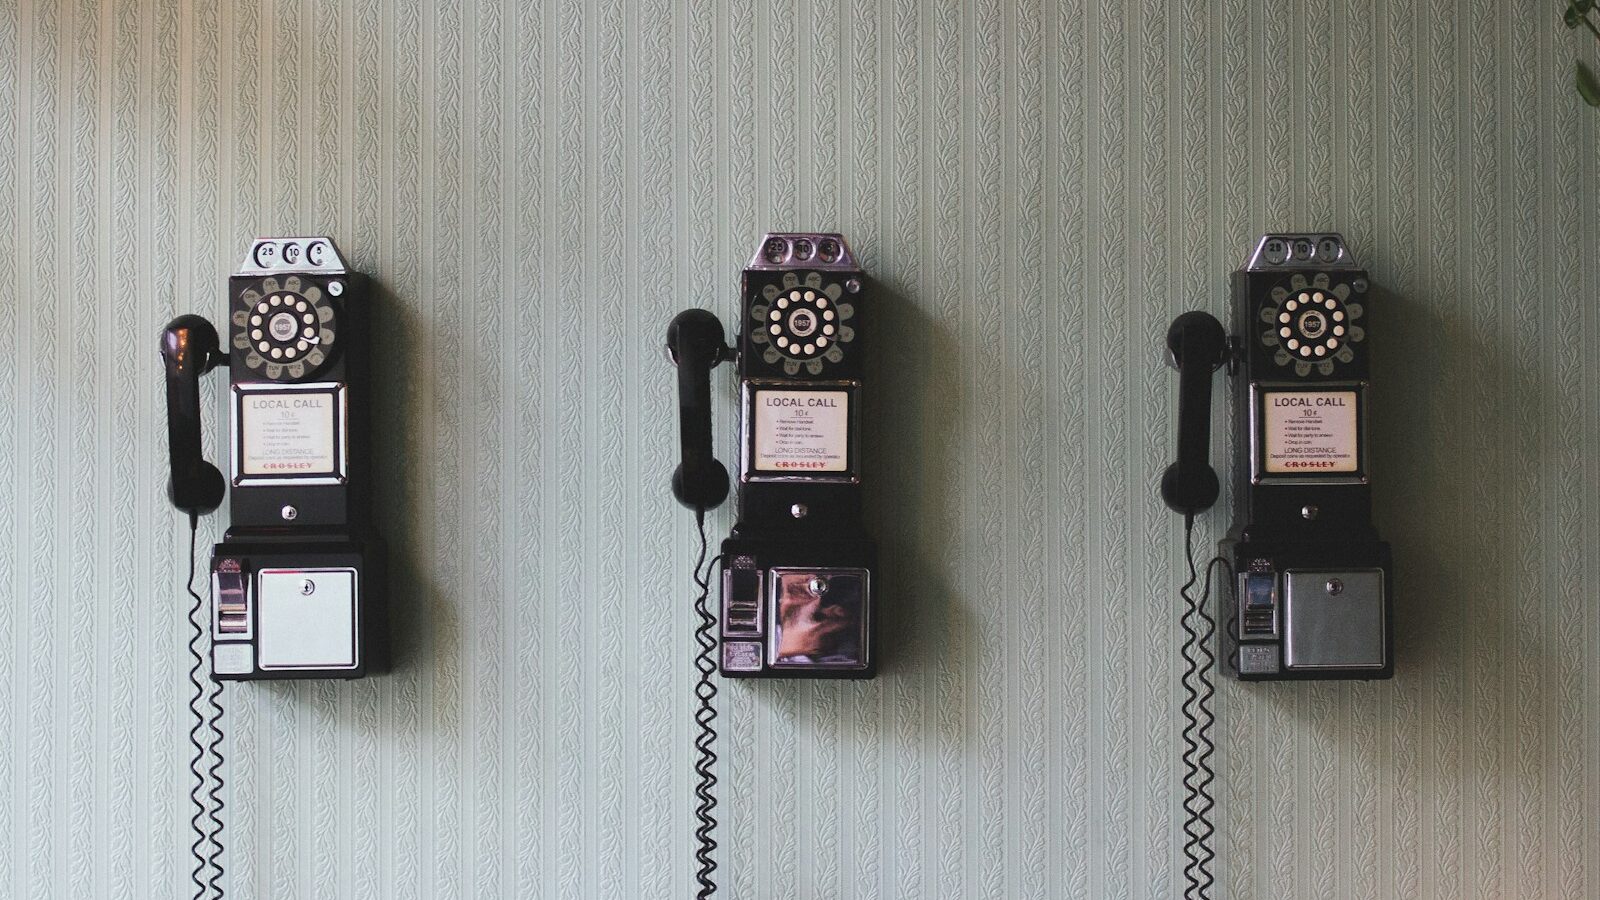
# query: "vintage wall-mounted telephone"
[797,572]
[298,579]
[1309,588]
[1313,596]
[797,569]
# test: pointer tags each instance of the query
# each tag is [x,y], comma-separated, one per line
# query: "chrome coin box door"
[797,571]
[1302,481]
[798,610]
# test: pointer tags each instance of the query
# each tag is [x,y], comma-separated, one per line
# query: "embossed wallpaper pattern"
[1037,189]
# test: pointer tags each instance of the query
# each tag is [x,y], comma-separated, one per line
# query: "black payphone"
[1309,589]
[298,579]
[1313,592]
[798,570]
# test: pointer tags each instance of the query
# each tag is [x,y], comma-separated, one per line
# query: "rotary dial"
[802,321]
[284,327]
[1311,323]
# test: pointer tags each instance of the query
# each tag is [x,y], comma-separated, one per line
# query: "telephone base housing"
[797,608]
[297,606]
[1298,611]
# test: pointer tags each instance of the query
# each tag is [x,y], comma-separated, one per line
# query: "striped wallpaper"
[1037,189]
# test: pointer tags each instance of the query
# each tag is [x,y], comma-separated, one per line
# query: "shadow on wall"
[395,429]
[395,499]
[1442,390]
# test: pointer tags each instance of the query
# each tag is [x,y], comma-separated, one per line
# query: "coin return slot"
[232,605]
[1258,615]
[742,612]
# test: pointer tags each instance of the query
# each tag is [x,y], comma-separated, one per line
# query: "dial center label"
[802,431]
[1310,432]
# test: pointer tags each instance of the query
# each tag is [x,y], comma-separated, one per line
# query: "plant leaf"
[1588,86]
[1572,17]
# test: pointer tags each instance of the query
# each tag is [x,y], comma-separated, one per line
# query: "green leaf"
[1588,86]
[1572,17]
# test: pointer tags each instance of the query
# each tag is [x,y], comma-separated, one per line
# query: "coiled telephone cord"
[1199,690]
[705,690]
[206,739]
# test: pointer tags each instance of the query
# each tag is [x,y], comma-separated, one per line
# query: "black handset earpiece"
[189,349]
[695,344]
[1198,346]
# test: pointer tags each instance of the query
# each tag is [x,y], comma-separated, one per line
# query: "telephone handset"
[297,578]
[695,344]
[1312,597]
[189,350]
[1197,347]
[797,570]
